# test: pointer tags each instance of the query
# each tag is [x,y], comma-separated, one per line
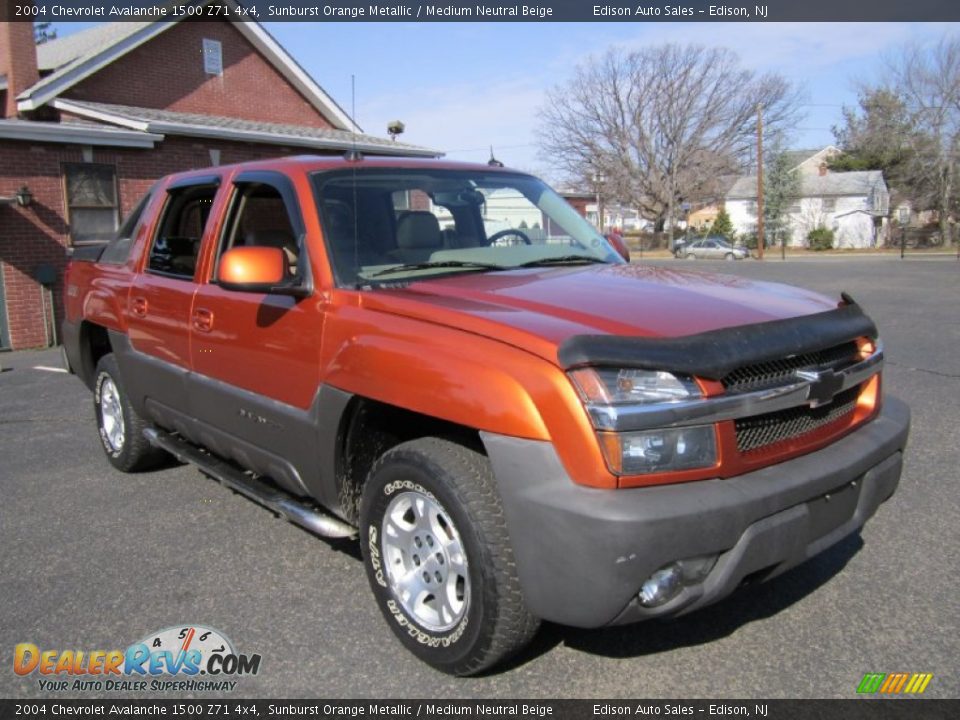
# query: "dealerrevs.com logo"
[894,683]
[183,658]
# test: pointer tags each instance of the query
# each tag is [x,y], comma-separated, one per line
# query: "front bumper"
[582,553]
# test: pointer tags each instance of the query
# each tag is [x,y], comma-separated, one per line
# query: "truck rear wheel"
[120,427]
[439,559]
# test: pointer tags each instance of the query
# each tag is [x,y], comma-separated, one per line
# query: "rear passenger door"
[161,296]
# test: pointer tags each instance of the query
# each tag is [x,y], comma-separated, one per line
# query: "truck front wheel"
[439,559]
[120,427]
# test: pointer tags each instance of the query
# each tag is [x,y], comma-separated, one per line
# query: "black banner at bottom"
[868,709]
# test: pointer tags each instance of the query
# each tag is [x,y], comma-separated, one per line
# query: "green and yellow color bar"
[894,683]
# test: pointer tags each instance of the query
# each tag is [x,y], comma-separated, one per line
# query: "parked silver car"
[713,248]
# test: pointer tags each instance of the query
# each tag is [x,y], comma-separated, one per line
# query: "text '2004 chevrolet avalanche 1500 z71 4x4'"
[449,362]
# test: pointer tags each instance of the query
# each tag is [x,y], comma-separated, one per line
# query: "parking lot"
[94,559]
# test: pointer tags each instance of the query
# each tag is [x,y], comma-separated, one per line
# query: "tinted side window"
[259,217]
[177,242]
[118,250]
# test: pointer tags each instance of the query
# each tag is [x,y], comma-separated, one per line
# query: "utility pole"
[597,180]
[760,242]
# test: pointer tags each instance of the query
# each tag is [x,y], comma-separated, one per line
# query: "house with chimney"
[92,119]
[854,205]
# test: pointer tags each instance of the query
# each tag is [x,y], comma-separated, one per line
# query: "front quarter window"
[401,224]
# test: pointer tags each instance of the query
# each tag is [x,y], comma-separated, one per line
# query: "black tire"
[729,256]
[129,451]
[495,621]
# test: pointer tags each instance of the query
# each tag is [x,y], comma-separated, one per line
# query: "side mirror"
[258,270]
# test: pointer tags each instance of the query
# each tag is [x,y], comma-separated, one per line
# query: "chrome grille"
[761,431]
[780,372]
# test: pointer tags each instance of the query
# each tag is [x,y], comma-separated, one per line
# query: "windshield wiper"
[440,264]
[562,260]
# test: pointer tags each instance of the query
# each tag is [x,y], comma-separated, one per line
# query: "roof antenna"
[353,155]
[493,162]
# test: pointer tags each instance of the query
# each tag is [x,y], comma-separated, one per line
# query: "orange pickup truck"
[447,361]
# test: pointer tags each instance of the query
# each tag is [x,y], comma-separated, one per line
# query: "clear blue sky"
[461,87]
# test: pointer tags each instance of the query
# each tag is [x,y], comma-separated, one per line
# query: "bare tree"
[660,124]
[928,79]
[42,32]
[908,125]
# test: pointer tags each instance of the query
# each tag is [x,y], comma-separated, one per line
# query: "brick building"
[92,119]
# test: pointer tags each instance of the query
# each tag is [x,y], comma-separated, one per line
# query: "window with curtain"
[92,208]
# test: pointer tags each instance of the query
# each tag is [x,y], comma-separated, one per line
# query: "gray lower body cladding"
[294,447]
[583,553]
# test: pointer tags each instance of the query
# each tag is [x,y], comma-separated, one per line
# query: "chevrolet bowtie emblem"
[824,384]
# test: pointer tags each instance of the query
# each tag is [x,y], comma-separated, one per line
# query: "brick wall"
[18,61]
[167,73]
[579,204]
[38,234]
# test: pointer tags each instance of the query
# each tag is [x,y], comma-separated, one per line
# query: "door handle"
[139,306]
[203,320]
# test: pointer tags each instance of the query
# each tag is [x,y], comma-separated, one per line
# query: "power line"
[487,147]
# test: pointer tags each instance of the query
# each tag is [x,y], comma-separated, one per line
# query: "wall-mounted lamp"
[23,197]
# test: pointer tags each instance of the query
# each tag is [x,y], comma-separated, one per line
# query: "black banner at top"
[483,10]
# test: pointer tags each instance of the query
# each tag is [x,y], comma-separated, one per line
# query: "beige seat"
[281,239]
[418,237]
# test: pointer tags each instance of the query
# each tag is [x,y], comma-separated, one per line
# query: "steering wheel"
[498,236]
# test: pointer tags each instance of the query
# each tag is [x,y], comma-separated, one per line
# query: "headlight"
[662,450]
[608,392]
[612,386]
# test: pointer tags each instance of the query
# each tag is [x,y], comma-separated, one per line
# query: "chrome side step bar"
[293,509]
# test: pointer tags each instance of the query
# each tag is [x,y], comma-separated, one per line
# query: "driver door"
[255,355]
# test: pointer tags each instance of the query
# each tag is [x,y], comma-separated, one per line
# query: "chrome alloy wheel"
[111,414]
[425,561]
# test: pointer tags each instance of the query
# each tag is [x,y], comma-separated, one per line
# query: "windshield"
[386,224]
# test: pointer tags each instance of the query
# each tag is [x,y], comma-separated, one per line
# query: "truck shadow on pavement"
[713,622]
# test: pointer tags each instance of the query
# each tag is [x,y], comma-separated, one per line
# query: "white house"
[617,216]
[852,204]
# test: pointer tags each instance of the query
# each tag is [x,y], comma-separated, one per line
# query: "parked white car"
[712,248]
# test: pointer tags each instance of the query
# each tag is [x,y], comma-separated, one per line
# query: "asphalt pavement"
[94,559]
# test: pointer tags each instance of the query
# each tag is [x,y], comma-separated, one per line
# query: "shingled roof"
[861,182]
[168,122]
[55,54]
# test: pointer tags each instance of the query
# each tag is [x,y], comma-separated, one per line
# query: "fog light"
[663,585]
[667,582]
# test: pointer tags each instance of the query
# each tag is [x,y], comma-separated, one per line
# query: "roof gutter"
[66,134]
